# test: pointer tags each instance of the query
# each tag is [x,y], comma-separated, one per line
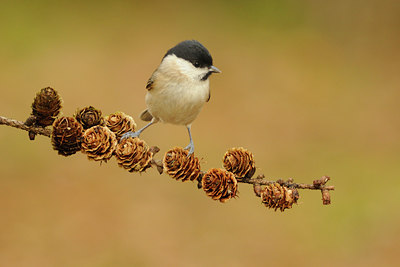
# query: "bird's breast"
[177,102]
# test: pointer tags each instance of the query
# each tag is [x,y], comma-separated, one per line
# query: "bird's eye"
[196,64]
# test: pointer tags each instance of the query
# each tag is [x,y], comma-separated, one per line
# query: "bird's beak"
[214,69]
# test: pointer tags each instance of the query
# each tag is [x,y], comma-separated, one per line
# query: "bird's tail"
[146,116]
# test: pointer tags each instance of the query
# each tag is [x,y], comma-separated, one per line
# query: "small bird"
[178,88]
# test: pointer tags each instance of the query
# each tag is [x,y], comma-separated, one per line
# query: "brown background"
[310,88]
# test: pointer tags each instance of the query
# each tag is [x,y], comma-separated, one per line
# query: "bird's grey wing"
[146,116]
[150,83]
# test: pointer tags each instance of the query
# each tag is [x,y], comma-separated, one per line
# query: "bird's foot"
[130,134]
[190,147]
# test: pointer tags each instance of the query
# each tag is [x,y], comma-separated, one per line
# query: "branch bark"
[260,179]
[21,125]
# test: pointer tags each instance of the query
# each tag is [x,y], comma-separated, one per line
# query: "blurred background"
[310,87]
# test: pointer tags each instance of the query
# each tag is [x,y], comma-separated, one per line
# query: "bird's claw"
[190,147]
[130,134]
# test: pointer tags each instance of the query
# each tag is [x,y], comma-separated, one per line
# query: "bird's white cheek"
[181,70]
[195,73]
[187,69]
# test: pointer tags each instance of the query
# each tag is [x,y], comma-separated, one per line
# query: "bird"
[178,88]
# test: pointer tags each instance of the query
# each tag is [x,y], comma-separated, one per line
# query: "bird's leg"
[190,147]
[138,132]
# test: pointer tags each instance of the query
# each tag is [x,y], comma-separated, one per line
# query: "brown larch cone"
[326,197]
[99,143]
[219,184]
[66,135]
[120,123]
[45,107]
[133,154]
[181,167]
[276,196]
[89,117]
[240,162]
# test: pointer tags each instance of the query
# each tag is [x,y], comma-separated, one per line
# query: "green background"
[310,87]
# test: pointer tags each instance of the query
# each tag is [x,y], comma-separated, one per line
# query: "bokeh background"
[310,87]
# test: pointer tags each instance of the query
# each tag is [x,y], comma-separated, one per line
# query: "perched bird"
[179,87]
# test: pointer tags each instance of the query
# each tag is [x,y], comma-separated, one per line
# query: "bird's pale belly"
[177,105]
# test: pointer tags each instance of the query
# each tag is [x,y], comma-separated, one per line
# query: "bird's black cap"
[192,51]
